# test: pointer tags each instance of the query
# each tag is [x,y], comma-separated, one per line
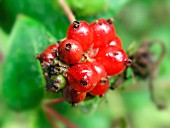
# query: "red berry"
[46,56]
[70,51]
[49,53]
[116,41]
[100,70]
[101,87]
[52,47]
[113,58]
[103,31]
[81,32]
[82,77]
[73,96]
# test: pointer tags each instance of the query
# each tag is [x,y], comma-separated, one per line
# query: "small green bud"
[58,82]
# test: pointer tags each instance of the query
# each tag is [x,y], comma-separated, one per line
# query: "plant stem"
[162,54]
[153,69]
[50,119]
[67,10]
[51,112]
[55,101]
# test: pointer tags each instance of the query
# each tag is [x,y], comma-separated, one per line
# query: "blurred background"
[28,26]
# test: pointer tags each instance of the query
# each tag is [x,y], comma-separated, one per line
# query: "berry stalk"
[50,119]
[67,10]
[52,113]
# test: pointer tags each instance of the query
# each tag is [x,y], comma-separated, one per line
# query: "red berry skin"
[116,41]
[49,53]
[113,58]
[53,47]
[100,70]
[103,31]
[101,87]
[81,32]
[47,56]
[70,51]
[73,96]
[82,77]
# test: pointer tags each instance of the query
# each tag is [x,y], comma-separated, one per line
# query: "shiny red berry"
[101,87]
[81,32]
[70,51]
[103,31]
[82,77]
[73,96]
[46,56]
[49,53]
[53,48]
[116,41]
[113,58]
[100,70]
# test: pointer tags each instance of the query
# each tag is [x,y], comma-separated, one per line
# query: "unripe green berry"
[57,82]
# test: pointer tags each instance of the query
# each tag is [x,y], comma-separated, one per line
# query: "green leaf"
[3,42]
[3,49]
[44,11]
[23,82]
[47,12]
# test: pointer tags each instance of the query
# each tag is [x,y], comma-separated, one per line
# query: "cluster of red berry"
[82,62]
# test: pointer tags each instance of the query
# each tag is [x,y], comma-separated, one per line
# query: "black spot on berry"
[84,82]
[68,47]
[76,24]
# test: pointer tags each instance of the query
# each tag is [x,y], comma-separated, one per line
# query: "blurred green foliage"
[28,26]
[22,72]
